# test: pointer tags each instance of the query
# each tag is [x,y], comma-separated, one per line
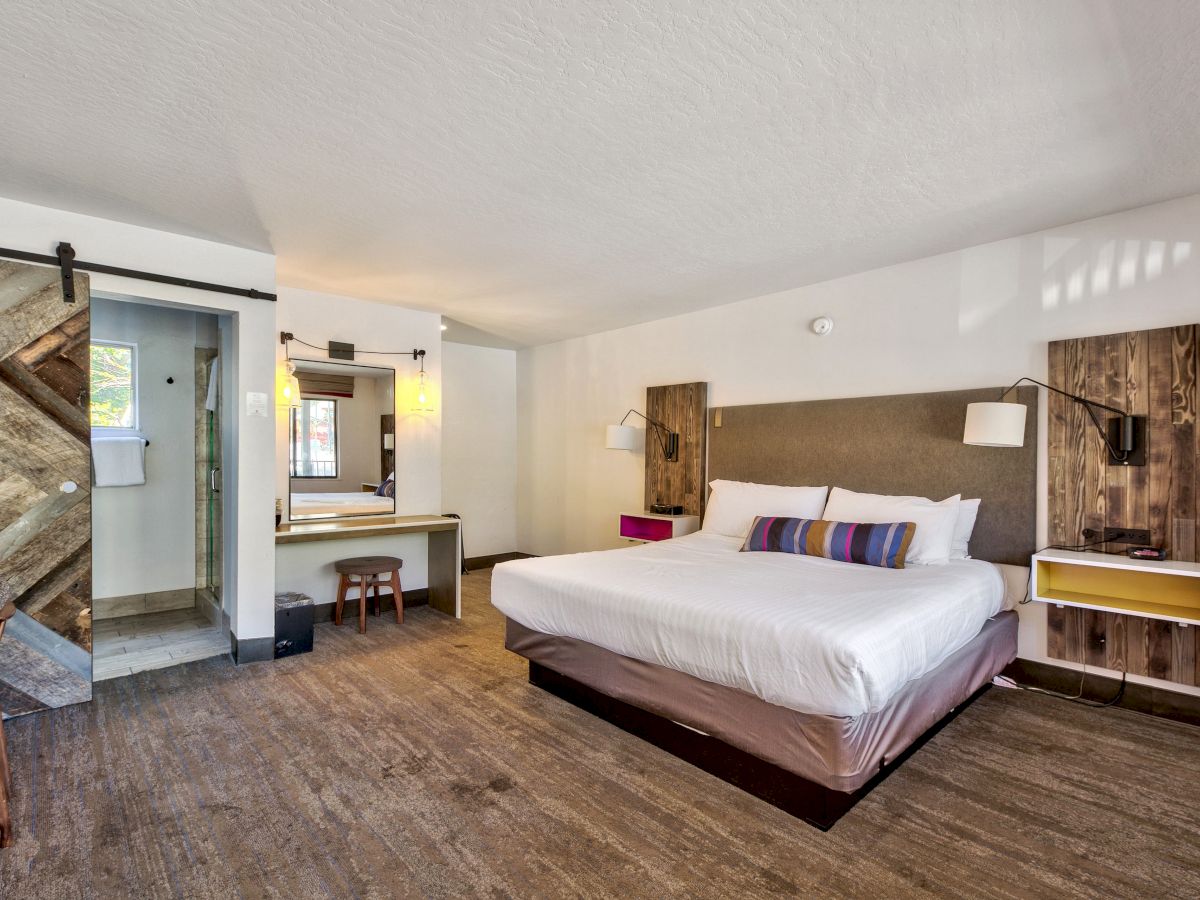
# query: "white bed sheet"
[814,635]
[340,504]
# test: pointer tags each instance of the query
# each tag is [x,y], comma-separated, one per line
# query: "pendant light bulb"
[291,386]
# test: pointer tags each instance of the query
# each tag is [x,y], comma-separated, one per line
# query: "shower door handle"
[212,480]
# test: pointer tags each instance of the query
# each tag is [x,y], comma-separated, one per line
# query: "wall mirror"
[342,441]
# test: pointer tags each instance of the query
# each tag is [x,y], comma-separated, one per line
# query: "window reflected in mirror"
[341,441]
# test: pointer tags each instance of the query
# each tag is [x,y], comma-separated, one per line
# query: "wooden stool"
[368,570]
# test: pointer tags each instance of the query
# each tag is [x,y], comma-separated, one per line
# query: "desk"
[443,554]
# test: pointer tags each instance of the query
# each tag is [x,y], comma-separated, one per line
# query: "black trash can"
[293,624]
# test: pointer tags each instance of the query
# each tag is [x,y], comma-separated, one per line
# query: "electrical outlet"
[1127,535]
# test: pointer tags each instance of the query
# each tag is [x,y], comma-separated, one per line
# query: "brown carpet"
[417,761]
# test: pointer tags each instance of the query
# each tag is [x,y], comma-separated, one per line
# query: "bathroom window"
[114,385]
[313,445]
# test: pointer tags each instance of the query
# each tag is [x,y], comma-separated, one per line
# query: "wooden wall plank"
[1160,434]
[1183,654]
[1096,474]
[1056,641]
[1074,442]
[1116,479]
[1182,499]
[1137,645]
[1114,643]
[1075,634]
[1056,463]
[1158,661]
[1137,402]
[1095,637]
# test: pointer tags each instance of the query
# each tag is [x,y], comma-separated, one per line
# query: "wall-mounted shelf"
[647,526]
[1152,589]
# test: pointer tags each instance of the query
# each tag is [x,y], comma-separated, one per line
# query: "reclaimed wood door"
[45,495]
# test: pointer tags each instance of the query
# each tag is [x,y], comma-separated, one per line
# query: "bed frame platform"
[814,803]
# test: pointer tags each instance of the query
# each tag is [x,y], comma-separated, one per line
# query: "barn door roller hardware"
[65,260]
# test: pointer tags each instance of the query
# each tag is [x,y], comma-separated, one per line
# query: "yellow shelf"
[1136,590]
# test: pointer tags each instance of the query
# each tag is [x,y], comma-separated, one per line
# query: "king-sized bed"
[804,680]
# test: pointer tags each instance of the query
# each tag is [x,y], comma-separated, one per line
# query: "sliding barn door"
[45,495]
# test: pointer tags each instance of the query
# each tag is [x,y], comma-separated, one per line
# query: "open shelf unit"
[1154,589]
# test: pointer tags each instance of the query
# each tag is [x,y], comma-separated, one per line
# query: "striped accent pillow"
[884,544]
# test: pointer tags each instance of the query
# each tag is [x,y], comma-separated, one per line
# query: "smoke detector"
[822,325]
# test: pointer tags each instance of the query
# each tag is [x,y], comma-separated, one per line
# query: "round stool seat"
[367,565]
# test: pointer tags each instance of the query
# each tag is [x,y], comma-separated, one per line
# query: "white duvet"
[811,634]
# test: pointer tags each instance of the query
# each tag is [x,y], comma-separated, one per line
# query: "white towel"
[118,461]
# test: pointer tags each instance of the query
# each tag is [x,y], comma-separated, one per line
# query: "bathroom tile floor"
[131,644]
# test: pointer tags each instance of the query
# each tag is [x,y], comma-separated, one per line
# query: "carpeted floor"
[416,761]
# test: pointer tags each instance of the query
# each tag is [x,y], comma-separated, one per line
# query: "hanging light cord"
[420,353]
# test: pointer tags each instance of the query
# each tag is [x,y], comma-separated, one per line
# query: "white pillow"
[967,511]
[732,505]
[935,521]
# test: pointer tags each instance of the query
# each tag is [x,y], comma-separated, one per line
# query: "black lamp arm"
[1090,406]
[661,431]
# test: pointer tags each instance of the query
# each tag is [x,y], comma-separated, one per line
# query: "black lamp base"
[1128,432]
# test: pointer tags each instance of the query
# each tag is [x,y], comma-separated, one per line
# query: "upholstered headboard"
[900,444]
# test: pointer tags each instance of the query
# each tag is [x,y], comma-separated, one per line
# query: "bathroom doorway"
[157,531]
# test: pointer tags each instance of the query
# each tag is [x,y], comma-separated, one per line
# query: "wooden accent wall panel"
[684,409]
[1149,373]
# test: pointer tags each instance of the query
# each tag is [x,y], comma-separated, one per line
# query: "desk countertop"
[346,529]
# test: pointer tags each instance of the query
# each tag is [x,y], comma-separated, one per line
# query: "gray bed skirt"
[837,752]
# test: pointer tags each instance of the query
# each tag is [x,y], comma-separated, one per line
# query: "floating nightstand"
[648,526]
[1153,589]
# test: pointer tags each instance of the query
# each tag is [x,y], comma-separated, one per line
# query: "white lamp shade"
[620,437]
[995,425]
[389,442]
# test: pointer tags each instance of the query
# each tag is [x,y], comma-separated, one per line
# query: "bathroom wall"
[144,536]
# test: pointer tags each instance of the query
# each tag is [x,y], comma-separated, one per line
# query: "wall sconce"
[624,437]
[422,396]
[291,386]
[389,442]
[1001,424]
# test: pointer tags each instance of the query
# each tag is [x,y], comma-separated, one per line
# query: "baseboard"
[1143,698]
[323,612]
[486,562]
[139,604]
[252,649]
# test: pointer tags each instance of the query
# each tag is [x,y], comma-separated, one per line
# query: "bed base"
[813,803]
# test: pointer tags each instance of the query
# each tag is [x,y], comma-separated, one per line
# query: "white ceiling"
[542,169]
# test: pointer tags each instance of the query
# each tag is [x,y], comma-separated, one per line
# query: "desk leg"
[444,571]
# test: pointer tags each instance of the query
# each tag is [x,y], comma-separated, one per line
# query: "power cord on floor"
[1077,698]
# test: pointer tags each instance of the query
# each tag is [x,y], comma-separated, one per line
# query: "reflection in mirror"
[341,441]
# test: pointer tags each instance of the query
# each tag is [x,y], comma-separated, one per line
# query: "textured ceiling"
[543,169]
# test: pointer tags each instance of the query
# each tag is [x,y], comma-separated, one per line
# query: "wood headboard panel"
[900,444]
[1148,373]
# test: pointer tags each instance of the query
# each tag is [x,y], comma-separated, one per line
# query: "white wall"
[975,318]
[249,562]
[144,536]
[479,445]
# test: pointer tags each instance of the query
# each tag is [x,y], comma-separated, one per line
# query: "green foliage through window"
[113,402]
